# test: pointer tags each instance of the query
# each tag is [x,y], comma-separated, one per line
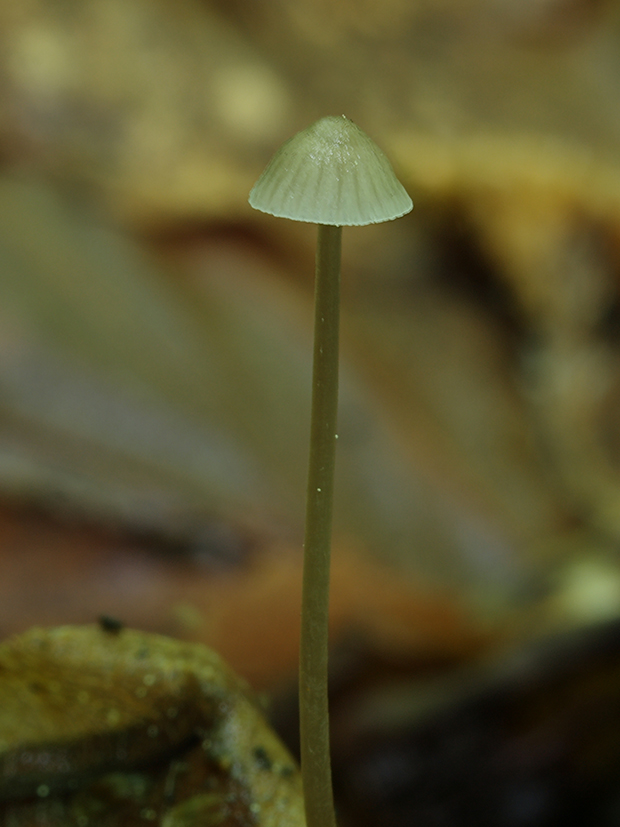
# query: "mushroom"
[331,174]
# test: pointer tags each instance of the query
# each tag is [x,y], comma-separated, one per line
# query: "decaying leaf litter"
[116,727]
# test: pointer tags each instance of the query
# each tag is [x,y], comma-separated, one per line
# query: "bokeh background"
[155,338]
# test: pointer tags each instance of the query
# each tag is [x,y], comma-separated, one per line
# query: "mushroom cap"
[331,173]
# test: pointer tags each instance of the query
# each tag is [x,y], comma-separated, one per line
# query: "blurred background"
[155,346]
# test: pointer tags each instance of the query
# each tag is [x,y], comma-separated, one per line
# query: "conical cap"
[331,173]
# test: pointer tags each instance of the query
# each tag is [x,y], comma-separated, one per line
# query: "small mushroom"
[331,174]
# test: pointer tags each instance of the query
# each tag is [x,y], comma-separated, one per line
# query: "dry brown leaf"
[249,613]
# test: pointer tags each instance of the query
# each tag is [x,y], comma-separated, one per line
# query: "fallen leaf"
[105,726]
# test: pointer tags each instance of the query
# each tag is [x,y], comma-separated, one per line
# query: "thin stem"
[313,703]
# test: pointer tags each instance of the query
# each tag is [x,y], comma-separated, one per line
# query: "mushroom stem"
[313,699]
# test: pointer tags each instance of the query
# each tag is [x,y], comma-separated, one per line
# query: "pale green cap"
[331,173]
